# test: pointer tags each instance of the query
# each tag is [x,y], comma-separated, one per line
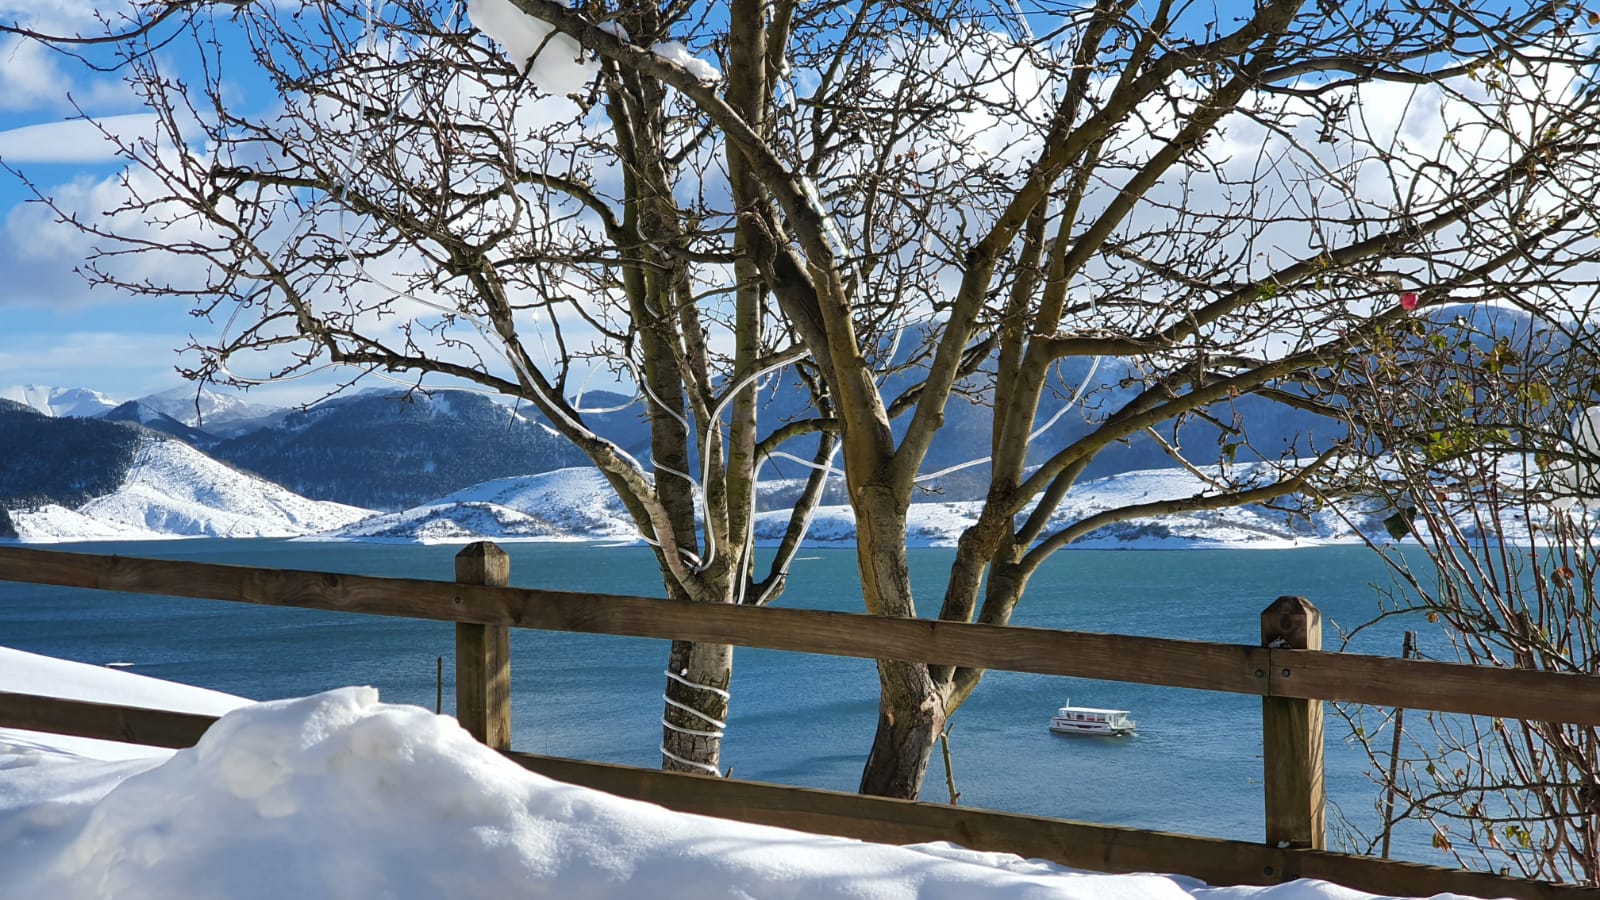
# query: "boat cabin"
[1071,719]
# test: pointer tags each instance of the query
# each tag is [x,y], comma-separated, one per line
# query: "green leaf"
[1399,524]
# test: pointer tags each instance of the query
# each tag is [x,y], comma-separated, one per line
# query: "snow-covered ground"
[173,490]
[341,797]
[940,524]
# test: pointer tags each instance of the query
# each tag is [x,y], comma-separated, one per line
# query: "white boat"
[1071,719]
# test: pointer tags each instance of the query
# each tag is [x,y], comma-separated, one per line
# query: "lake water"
[1193,766]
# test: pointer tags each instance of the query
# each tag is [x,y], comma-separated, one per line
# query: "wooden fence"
[1288,671]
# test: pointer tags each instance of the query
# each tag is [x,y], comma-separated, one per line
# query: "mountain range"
[457,465]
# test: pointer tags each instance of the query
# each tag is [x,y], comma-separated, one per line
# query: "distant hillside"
[81,479]
[1066,416]
[574,503]
[137,413]
[382,451]
[214,413]
[65,461]
[577,504]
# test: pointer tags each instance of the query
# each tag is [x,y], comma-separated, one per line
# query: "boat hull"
[1088,728]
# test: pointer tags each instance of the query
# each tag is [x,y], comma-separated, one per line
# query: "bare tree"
[1146,215]
[411,203]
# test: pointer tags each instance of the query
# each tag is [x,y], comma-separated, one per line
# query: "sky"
[340,796]
[53,330]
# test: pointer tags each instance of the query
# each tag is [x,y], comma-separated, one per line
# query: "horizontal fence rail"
[1232,668]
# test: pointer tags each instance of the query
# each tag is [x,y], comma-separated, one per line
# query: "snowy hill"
[58,402]
[571,504]
[82,479]
[577,504]
[940,524]
[388,451]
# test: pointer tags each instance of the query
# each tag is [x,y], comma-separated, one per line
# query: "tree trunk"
[697,678]
[911,716]
[911,711]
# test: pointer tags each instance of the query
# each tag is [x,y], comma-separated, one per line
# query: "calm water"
[1194,766]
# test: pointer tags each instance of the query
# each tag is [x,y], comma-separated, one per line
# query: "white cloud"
[123,365]
[74,141]
[32,77]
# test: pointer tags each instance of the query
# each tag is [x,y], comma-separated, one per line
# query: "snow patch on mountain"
[203,408]
[566,504]
[54,522]
[173,490]
[940,524]
[57,402]
[577,504]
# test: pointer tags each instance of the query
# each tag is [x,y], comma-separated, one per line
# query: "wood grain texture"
[1291,737]
[1194,664]
[1447,687]
[106,721]
[483,653]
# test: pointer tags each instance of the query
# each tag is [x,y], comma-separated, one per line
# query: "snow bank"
[340,796]
[30,673]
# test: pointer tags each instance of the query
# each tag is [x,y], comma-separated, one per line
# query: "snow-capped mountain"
[82,479]
[173,490]
[383,450]
[571,504]
[222,414]
[138,413]
[58,402]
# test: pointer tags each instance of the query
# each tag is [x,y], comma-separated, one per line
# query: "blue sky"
[54,329]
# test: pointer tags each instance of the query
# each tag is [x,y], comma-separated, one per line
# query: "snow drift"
[340,796]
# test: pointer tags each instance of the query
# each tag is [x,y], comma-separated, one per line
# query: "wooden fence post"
[1291,738]
[483,653]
